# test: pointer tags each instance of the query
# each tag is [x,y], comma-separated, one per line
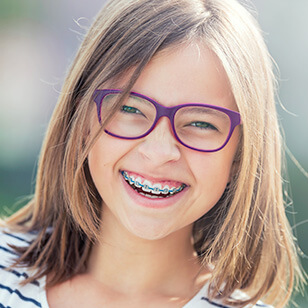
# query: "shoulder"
[201,300]
[12,293]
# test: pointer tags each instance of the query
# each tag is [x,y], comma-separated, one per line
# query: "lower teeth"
[151,196]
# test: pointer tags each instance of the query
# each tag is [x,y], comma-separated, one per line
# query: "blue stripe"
[8,250]
[35,282]
[22,297]
[1,306]
[213,303]
[17,237]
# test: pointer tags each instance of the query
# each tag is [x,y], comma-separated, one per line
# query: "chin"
[147,230]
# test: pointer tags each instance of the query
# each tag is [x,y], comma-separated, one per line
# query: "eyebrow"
[208,110]
[141,99]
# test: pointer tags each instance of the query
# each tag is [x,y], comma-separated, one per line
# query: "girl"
[159,180]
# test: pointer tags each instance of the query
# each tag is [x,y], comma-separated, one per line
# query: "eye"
[202,125]
[129,109]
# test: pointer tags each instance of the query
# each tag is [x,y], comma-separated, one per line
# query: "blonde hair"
[246,236]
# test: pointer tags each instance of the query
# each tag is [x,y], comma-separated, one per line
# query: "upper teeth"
[147,186]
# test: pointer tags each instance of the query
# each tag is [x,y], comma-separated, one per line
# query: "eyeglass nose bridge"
[168,112]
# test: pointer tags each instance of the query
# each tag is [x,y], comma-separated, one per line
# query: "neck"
[133,265]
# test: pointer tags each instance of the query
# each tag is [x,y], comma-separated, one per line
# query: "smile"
[150,190]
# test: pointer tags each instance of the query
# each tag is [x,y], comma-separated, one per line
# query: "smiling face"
[158,161]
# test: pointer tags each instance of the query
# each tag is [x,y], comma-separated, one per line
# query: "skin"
[145,256]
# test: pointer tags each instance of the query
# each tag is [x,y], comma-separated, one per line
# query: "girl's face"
[181,75]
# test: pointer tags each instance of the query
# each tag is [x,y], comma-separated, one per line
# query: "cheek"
[96,166]
[212,172]
[212,177]
[104,153]
[104,159]
[100,159]
[212,169]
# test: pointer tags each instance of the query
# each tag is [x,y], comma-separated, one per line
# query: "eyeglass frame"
[169,112]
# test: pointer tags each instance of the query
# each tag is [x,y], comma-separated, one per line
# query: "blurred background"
[38,41]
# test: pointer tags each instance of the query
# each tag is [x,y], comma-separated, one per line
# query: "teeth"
[165,190]
[172,190]
[131,180]
[125,175]
[156,189]
[138,182]
[148,187]
[150,196]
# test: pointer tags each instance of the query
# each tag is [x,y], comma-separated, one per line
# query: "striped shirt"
[33,295]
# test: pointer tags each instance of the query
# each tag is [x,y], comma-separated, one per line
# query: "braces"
[156,189]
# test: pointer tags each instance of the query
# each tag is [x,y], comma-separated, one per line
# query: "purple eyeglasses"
[199,127]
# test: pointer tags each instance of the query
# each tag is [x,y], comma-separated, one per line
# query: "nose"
[160,146]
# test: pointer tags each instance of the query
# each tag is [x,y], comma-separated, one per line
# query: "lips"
[152,189]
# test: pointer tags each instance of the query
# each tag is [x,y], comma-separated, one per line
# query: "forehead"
[182,74]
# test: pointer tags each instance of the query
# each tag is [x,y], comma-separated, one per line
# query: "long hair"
[246,236]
